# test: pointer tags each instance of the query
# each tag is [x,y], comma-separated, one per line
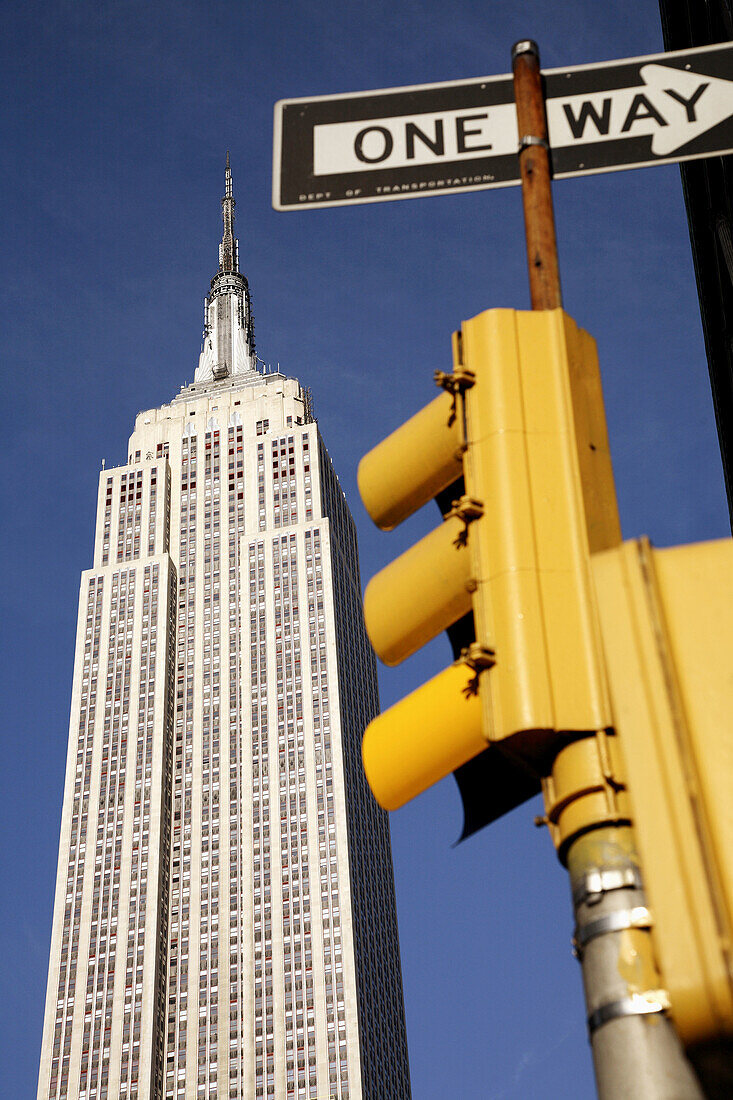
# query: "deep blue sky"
[117,117]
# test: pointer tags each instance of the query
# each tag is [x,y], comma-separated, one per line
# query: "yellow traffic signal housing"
[522,424]
[668,637]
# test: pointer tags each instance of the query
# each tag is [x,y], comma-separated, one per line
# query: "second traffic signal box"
[521,437]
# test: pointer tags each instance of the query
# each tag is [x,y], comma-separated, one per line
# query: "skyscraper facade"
[224,920]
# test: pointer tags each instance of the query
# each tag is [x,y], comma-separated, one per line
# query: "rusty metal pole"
[534,167]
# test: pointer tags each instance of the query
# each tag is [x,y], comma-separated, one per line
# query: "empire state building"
[224,920]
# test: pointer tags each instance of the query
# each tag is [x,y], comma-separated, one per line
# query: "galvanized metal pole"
[534,167]
[636,1052]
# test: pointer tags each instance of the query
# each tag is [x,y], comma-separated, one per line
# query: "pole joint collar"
[618,921]
[597,882]
[638,1004]
[529,139]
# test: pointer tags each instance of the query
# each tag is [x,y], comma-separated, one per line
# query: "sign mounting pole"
[630,1057]
[534,167]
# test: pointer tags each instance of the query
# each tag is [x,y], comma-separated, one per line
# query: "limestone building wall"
[245,943]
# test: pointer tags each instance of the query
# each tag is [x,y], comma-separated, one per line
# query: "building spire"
[228,346]
[228,259]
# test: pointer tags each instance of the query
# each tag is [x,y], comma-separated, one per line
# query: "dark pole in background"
[708,190]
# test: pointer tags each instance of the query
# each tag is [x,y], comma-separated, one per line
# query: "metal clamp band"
[525,45]
[638,917]
[591,888]
[527,139]
[638,1004]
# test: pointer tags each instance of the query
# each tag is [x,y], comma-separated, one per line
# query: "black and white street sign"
[429,139]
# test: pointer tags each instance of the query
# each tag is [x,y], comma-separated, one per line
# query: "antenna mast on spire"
[228,246]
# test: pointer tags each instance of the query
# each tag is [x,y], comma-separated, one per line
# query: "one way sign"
[431,139]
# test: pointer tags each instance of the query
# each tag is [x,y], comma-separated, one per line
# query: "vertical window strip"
[328,862]
[261,512]
[307,484]
[209,918]
[133,1007]
[235,516]
[94,1071]
[66,989]
[284,490]
[152,510]
[107,521]
[180,870]
[295,871]
[261,900]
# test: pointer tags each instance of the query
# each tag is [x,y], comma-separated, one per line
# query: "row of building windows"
[102,952]
[66,986]
[180,870]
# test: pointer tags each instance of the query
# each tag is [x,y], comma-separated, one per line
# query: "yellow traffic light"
[518,446]
[599,667]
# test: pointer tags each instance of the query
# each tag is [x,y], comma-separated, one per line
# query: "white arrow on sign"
[674,106]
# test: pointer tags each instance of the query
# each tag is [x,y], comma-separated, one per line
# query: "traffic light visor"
[413,464]
[424,737]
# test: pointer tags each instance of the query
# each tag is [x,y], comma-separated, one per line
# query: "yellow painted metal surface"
[610,847]
[424,737]
[421,593]
[585,789]
[667,620]
[412,464]
[538,459]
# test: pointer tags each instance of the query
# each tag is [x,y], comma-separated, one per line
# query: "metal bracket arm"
[478,658]
[457,383]
[466,509]
[461,379]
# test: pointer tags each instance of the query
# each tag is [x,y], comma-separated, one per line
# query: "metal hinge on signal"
[460,380]
[478,657]
[467,510]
